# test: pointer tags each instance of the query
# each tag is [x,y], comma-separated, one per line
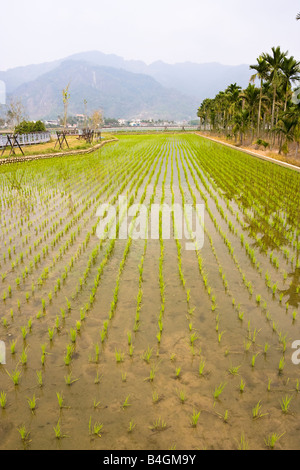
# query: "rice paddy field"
[141,344]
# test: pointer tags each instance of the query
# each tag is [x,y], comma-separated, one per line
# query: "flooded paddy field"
[135,342]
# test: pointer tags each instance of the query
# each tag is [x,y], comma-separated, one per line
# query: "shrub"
[27,127]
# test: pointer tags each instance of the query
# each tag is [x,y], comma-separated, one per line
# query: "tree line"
[267,111]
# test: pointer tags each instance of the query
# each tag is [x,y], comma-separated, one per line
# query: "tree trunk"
[273,107]
[259,110]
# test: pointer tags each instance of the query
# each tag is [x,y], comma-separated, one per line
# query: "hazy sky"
[227,31]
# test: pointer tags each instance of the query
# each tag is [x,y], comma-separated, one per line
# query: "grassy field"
[140,343]
[48,148]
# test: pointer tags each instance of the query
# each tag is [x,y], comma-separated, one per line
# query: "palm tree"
[291,73]
[222,107]
[206,113]
[241,123]
[233,96]
[275,64]
[262,74]
[251,97]
[294,113]
[286,128]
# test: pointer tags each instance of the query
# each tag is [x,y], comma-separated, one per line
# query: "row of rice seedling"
[268,221]
[247,284]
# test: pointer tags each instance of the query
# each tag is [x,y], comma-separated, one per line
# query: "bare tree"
[86,120]
[96,120]
[66,97]
[15,112]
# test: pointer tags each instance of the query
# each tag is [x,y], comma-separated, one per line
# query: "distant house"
[51,123]
[135,123]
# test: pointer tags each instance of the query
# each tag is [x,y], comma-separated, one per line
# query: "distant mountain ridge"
[121,88]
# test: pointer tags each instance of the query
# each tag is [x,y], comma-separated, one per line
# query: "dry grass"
[49,147]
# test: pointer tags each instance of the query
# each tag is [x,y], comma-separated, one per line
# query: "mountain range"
[120,88]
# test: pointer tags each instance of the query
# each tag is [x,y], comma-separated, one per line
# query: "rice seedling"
[193,338]
[256,411]
[220,335]
[60,400]
[24,332]
[58,432]
[182,396]
[146,356]
[97,378]
[243,443]
[295,313]
[272,440]
[125,403]
[234,370]
[226,416]
[69,354]
[241,315]
[15,376]
[39,377]
[195,418]
[3,400]
[158,337]
[281,365]
[129,338]
[131,349]
[95,429]
[119,355]
[242,386]
[50,333]
[269,385]
[218,391]
[68,379]
[23,433]
[158,425]
[73,335]
[253,360]
[24,357]
[13,346]
[131,426]
[96,404]
[201,367]
[285,404]
[32,403]
[177,372]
